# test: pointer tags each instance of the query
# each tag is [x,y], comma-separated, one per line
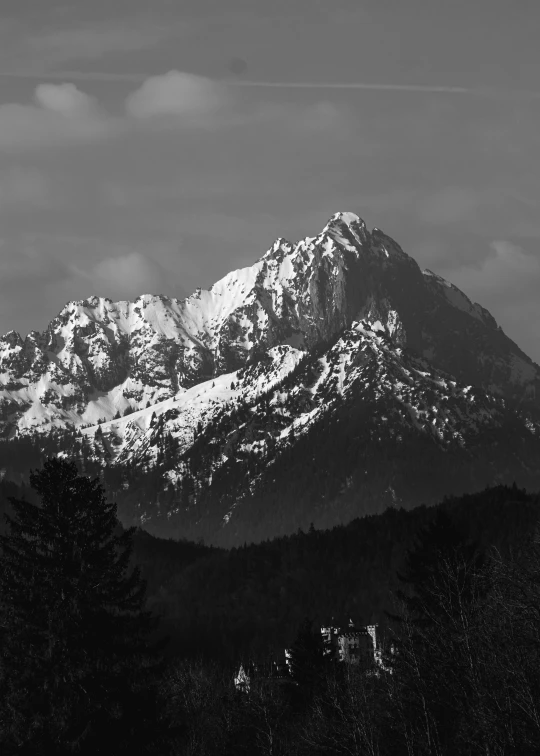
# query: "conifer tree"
[78,673]
[307,661]
[440,545]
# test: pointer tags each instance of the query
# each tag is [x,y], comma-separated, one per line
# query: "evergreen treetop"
[76,666]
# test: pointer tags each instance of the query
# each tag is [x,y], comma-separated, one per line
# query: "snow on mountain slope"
[130,438]
[99,358]
[363,362]
[364,385]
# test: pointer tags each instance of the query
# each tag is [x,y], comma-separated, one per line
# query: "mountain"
[352,428]
[97,357]
[332,378]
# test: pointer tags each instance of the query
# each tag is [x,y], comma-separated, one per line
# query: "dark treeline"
[251,600]
[454,588]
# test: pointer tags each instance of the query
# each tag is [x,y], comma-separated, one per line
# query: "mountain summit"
[242,379]
[99,357]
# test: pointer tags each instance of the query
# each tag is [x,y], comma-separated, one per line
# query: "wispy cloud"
[175,94]
[507,283]
[63,114]
[139,77]
[65,99]
[509,268]
[381,87]
[125,274]
[60,114]
[352,85]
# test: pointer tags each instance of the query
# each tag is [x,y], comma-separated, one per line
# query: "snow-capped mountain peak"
[346,230]
[99,359]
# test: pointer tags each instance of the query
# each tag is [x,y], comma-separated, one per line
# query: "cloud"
[359,85]
[52,269]
[62,114]
[507,283]
[508,269]
[103,43]
[175,94]
[128,274]
[498,92]
[65,99]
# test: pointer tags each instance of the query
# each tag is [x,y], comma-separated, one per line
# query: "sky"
[150,146]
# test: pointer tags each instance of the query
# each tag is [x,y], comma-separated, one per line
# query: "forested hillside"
[249,599]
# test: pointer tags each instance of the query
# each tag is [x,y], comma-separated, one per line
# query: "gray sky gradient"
[133,158]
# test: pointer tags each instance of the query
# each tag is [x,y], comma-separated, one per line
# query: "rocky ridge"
[98,358]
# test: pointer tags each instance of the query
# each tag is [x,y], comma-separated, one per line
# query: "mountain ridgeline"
[330,380]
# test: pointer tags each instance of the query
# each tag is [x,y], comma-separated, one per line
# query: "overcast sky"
[136,157]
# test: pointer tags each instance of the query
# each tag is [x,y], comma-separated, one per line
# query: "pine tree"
[307,661]
[78,673]
[441,544]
